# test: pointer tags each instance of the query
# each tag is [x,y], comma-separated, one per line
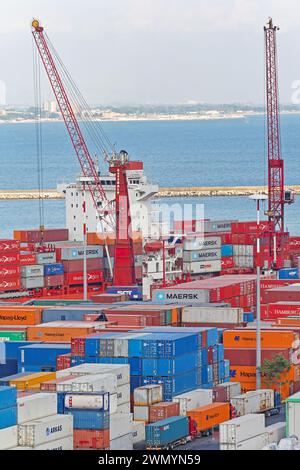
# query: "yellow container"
[32,381]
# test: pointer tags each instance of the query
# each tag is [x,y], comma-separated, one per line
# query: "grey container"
[32,271]
[69,314]
[46,258]
[190,296]
[78,252]
[32,282]
[202,255]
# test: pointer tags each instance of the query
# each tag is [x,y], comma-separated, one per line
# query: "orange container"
[248,373]
[32,381]
[61,332]
[288,321]
[13,315]
[163,410]
[269,338]
[211,415]
[174,316]
[91,439]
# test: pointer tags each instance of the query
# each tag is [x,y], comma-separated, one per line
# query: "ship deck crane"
[277,195]
[118,217]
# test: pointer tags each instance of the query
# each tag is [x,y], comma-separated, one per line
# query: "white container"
[138,432]
[253,402]
[120,424]
[147,395]
[36,406]
[43,430]
[255,443]
[141,413]
[8,437]
[122,443]
[293,415]
[233,388]
[90,383]
[275,432]
[202,255]
[34,270]
[201,243]
[87,402]
[194,399]
[201,267]
[122,371]
[125,408]
[123,394]
[92,251]
[242,428]
[212,315]
[46,258]
[214,225]
[32,282]
[66,443]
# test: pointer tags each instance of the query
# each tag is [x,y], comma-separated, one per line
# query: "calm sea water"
[181,153]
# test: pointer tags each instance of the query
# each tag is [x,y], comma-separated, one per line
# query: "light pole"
[258,198]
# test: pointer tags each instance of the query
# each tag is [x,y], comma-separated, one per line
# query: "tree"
[275,370]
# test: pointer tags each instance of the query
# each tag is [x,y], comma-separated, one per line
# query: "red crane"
[277,196]
[119,219]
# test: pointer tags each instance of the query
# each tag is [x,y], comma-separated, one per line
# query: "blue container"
[41,355]
[2,352]
[159,345]
[89,419]
[9,368]
[226,250]
[207,374]
[227,367]
[212,337]
[71,313]
[12,348]
[135,365]
[288,273]
[134,292]
[173,385]
[248,317]
[167,431]
[8,417]
[170,367]
[221,371]
[204,357]
[174,329]
[135,382]
[220,352]
[220,334]
[8,397]
[61,402]
[207,385]
[199,377]
[54,269]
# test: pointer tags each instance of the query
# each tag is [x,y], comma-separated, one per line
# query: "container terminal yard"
[119,332]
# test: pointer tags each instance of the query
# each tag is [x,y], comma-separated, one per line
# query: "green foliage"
[272,370]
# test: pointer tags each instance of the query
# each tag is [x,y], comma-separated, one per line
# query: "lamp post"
[258,198]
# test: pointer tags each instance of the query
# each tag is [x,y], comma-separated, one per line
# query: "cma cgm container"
[167,431]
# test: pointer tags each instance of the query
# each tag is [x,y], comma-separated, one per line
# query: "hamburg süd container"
[43,430]
[242,428]
[167,431]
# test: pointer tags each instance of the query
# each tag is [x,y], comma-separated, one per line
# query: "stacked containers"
[9,265]
[201,254]
[8,407]
[143,398]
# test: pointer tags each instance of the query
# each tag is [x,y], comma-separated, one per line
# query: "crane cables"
[38,134]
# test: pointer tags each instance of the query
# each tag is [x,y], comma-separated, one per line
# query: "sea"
[225,152]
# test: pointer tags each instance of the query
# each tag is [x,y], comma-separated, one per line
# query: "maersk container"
[242,428]
[42,355]
[293,415]
[253,402]
[66,443]
[8,397]
[212,315]
[36,406]
[275,432]
[8,417]
[190,296]
[167,431]
[31,271]
[122,443]
[92,251]
[201,255]
[170,367]
[89,419]
[138,432]
[254,443]
[46,258]
[43,430]
[90,383]
[122,372]
[32,282]
[201,243]
[91,401]
[194,399]
[53,269]
[8,437]
[120,424]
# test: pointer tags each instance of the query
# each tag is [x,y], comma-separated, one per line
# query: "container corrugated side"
[8,397]
[43,430]
[255,443]
[121,371]
[90,383]
[122,443]
[120,424]
[147,395]
[8,417]
[8,437]
[275,432]
[167,431]
[242,428]
[138,432]
[36,406]
[65,443]
[194,399]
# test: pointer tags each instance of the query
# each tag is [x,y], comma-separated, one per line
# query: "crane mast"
[120,219]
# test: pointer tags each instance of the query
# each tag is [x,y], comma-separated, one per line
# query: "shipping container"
[194,399]
[254,443]
[92,401]
[201,255]
[275,432]
[201,267]
[66,443]
[120,425]
[163,410]
[33,270]
[36,406]
[89,419]
[8,397]
[122,443]
[76,265]
[167,431]
[8,437]
[141,413]
[138,432]
[78,278]
[242,428]
[210,415]
[8,417]
[293,415]
[44,430]
[62,331]
[120,371]
[68,254]
[54,281]
[46,259]
[253,402]
[246,338]
[32,282]
[91,439]
[8,246]
[32,381]
[212,315]
[247,357]
[90,383]
[201,243]
[38,236]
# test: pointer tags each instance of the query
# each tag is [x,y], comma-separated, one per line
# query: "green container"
[58,303]
[13,335]
[168,317]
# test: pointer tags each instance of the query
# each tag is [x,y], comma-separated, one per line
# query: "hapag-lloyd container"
[92,401]
[44,430]
[242,428]
[275,432]
[246,338]
[8,437]
[201,243]
[33,270]
[36,406]
[167,431]
[120,425]
[194,399]
[121,371]
[212,315]
[147,395]
[253,402]
[90,383]
[254,443]
[92,251]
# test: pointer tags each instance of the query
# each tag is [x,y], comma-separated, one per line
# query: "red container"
[91,439]
[36,236]
[220,394]
[54,281]
[109,298]
[283,309]
[7,285]
[138,248]
[227,262]
[247,357]
[78,346]
[63,361]
[281,294]
[76,265]
[9,246]
[163,410]
[9,272]
[10,259]
[27,259]
[77,278]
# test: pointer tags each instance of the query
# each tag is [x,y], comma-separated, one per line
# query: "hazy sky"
[151,51]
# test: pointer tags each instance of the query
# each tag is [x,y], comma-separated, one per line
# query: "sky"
[152,51]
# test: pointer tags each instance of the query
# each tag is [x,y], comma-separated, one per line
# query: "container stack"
[10,270]
[143,398]
[8,416]
[202,255]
